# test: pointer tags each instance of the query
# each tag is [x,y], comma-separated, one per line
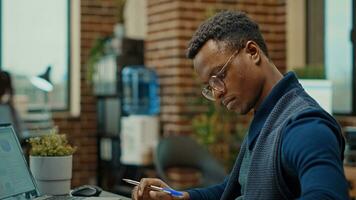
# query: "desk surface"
[109,194]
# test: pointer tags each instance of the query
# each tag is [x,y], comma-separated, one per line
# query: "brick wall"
[171,23]
[97,18]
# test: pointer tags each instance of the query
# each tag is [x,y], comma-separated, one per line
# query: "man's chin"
[238,110]
[233,109]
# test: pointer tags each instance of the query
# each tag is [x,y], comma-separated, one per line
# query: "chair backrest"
[6,114]
[9,116]
[183,151]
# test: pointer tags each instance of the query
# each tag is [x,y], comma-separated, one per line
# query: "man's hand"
[143,191]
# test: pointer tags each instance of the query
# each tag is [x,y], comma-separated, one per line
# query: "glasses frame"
[216,82]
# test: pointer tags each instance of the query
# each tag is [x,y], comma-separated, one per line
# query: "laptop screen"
[16,179]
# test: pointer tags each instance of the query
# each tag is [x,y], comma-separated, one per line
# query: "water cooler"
[140,122]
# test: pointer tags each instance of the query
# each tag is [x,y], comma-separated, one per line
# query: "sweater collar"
[288,82]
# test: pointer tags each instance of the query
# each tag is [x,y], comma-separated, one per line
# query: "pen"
[170,191]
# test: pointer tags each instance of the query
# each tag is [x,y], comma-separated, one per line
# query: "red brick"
[181,70]
[168,53]
[162,7]
[176,80]
[166,44]
[97,19]
[151,3]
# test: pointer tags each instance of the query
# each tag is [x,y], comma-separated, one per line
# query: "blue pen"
[170,191]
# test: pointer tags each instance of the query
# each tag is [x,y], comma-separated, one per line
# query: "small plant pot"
[53,174]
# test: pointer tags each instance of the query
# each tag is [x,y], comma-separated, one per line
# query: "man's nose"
[218,95]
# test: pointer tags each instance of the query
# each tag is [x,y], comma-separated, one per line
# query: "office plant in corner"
[51,159]
[219,131]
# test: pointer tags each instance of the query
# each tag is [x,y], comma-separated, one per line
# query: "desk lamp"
[43,81]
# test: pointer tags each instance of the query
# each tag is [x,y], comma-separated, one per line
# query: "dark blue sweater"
[312,162]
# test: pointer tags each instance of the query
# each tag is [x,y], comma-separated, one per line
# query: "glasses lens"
[217,84]
[207,93]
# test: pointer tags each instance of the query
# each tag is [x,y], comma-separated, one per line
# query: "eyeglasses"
[216,82]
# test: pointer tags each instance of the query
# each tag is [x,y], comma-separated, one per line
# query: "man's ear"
[254,51]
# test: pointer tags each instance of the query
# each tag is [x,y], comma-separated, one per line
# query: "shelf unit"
[110,171]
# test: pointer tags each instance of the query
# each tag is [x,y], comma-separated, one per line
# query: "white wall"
[296,14]
[135,19]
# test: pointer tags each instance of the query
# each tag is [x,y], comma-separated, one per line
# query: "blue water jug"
[140,90]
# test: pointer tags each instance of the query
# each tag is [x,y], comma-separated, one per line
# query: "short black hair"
[231,27]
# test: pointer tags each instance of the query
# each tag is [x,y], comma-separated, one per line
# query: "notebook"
[16,180]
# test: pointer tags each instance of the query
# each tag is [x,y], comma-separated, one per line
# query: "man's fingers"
[146,182]
[143,190]
[134,193]
[158,182]
[159,195]
[142,187]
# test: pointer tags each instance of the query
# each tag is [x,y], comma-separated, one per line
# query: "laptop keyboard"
[77,198]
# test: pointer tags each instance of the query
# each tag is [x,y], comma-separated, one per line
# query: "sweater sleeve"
[311,148]
[209,193]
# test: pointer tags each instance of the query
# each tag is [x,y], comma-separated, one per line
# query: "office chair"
[9,115]
[184,152]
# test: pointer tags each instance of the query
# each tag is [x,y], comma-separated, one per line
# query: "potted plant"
[98,50]
[51,162]
[119,28]
[106,47]
[216,129]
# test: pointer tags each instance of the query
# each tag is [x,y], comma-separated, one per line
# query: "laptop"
[16,180]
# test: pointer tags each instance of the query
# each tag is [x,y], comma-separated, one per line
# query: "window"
[325,27]
[36,34]
[338,53]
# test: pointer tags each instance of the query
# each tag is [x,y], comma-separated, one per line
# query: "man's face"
[242,76]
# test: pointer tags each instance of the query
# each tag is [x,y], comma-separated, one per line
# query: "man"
[293,149]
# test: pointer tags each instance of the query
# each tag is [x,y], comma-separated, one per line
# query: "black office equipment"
[183,152]
[350,148]
[86,191]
